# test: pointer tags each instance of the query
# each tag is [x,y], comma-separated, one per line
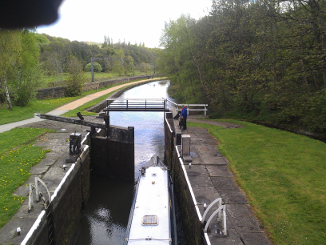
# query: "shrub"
[30,80]
[96,66]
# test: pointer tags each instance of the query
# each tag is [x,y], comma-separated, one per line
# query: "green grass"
[17,156]
[283,175]
[37,106]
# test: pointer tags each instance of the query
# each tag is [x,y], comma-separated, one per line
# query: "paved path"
[70,106]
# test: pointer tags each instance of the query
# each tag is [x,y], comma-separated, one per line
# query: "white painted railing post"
[37,191]
[30,197]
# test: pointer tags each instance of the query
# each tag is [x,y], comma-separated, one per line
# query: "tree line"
[117,57]
[260,60]
[26,57]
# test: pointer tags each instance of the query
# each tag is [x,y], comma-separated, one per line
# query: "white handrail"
[219,200]
[221,208]
[37,179]
[38,194]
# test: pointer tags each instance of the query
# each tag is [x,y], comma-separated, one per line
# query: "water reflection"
[105,217]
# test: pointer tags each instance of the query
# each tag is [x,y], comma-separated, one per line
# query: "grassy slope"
[283,176]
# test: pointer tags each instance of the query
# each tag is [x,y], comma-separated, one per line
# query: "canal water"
[105,218]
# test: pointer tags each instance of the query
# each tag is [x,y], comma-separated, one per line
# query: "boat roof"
[151,218]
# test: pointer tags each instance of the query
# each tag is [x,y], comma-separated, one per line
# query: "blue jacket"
[184,112]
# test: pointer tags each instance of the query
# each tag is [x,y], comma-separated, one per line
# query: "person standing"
[184,114]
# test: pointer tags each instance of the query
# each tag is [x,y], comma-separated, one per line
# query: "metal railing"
[190,107]
[221,215]
[39,194]
[152,105]
[136,105]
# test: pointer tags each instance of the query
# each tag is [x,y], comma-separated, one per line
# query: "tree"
[106,42]
[128,63]
[30,73]
[118,62]
[9,54]
[76,76]
[179,58]
[29,81]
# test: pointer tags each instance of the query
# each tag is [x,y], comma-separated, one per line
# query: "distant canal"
[105,217]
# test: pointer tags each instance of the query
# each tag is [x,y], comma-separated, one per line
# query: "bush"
[30,80]
[96,66]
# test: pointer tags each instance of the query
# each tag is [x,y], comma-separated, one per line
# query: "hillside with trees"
[252,60]
[29,61]
[110,57]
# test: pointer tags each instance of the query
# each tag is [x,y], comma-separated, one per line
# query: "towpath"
[210,178]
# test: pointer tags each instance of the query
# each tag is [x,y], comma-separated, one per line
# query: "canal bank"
[201,176]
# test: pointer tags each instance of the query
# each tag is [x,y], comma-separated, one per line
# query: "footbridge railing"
[136,105]
[152,105]
[174,107]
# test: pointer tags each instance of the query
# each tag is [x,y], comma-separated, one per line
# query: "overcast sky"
[135,21]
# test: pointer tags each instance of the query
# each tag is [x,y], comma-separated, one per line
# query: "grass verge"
[17,156]
[283,176]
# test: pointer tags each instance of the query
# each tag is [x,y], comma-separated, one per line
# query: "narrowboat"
[152,216]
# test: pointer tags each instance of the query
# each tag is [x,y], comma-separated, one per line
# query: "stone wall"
[190,220]
[58,92]
[50,93]
[191,223]
[67,205]
[169,141]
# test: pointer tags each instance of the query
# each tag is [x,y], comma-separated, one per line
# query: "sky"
[129,20]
